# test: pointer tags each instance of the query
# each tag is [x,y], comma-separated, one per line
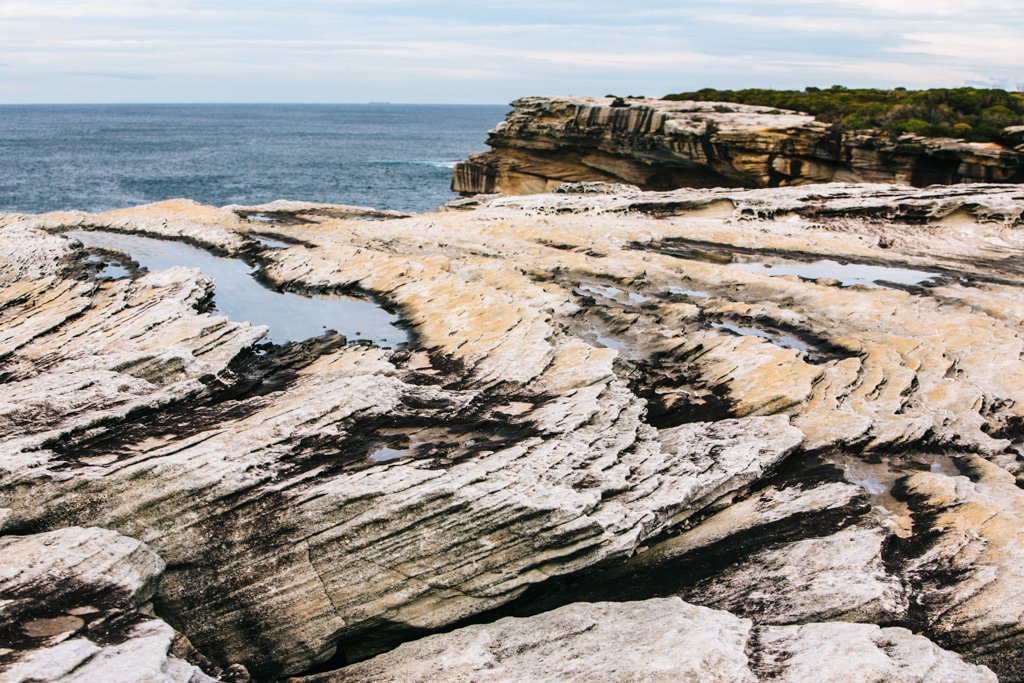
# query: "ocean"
[100,157]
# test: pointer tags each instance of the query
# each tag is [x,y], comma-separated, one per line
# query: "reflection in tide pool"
[107,271]
[237,294]
[113,272]
[615,294]
[846,273]
[692,293]
[610,342]
[878,478]
[778,339]
[386,454]
[272,244]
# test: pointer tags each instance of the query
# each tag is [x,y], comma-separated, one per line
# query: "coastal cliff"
[663,145]
[718,434]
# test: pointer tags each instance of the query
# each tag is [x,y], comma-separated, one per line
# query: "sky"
[444,51]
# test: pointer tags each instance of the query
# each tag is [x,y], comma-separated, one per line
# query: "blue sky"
[491,52]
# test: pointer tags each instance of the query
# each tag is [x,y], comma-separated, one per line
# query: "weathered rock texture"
[611,395]
[662,145]
[664,640]
[74,607]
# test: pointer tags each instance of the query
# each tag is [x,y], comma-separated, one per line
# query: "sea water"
[101,157]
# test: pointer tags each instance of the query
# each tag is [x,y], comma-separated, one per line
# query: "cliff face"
[662,145]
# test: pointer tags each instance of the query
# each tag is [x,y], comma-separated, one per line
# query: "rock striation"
[611,395]
[662,640]
[74,606]
[663,145]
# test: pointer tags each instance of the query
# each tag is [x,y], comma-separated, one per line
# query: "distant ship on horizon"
[380,102]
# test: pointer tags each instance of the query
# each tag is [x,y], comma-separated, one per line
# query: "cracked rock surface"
[666,640]
[802,407]
[74,607]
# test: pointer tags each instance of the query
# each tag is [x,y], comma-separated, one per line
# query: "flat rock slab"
[662,640]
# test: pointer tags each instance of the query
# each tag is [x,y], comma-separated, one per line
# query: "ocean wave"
[434,164]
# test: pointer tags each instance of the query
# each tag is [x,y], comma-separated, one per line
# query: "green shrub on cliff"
[966,113]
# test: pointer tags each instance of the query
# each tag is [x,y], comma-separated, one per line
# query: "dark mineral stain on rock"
[252,375]
[39,611]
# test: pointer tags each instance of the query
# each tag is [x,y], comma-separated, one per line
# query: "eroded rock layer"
[74,607]
[803,406]
[662,640]
[661,145]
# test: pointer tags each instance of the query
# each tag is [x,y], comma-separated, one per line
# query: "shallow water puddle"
[691,293]
[107,270]
[438,442]
[610,342]
[621,296]
[113,272]
[878,478]
[778,339]
[272,244]
[386,454]
[845,273]
[238,295]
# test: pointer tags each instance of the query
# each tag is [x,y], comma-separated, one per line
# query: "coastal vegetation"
[973,114]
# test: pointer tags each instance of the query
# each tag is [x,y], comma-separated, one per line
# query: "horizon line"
[187,104]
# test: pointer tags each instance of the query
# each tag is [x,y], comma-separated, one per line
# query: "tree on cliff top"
[966,113]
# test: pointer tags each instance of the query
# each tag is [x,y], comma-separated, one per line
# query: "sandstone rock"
[73,608]
[661,145]
[665,640]
[959,565]
[967,566]
[284,210]
[595,373]
[805,547]
[808,549]
[857,652]
[209,494]
[1014,136]
[840,577]
[661,640]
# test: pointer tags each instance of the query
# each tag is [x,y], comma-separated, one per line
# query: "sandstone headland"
[664,145]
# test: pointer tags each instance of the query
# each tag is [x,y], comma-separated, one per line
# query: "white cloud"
[995,47]
[868,72]
[62,11]
[914,8]
[409,50]
[802,24]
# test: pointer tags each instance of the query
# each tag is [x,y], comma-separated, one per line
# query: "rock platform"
[786,423]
